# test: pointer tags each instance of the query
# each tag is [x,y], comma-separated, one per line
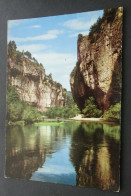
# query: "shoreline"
[79,118]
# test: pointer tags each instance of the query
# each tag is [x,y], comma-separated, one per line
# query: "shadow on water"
[82,154]
[95,156]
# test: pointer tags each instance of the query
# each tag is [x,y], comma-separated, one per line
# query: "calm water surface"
[75,153]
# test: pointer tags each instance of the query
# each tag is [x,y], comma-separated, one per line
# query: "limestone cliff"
[98,69]
[33,85]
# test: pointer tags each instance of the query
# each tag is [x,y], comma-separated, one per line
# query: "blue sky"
[53,40]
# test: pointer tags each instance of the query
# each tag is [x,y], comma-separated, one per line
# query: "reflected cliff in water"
[82,154]
[95,156]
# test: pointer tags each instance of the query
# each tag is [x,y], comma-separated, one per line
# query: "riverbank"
[55,122]
[80,118]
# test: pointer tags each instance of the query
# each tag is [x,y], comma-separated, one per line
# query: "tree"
[50,76]
[28,54]
[18,56]
[91,109]
[80,36]
[11,48]
[18,110]
[114,111]
[12,45]
[35,60]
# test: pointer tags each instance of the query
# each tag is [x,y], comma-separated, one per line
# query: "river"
[74,153]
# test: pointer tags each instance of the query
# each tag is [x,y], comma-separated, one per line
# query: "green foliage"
[80,36]
[95,29]
[63,112]
[12,45]
[11,48]
[114,111]
[94,32]
[12,96]
[20,110]
[33,59]
[18,57]
[28,54]
[58,85]
[91,109]
[30,114]
[68,111]
[50,76]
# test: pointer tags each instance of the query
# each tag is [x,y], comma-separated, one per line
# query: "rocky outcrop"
[98,70]
[33,85]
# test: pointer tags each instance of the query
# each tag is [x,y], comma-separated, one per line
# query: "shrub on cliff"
[18,110]
[95,29]
[18,57]
[28,54]
[80,36]
[68,111]
[11,48]
[91,109]
[113,112]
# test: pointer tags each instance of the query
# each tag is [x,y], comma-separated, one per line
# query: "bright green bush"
[18,110]
[91,109]
[68,111]
[114,111]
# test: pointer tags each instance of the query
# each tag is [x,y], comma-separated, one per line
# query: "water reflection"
[83,154]
[96,146]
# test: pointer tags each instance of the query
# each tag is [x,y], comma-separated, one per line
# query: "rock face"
[33,85]
[98,70]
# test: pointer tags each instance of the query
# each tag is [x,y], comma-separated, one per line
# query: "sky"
[53,40]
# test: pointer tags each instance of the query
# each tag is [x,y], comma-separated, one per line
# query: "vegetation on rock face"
[68,111]
[18,57]
[94,31]
[18,110]
[91,109]
[113,112]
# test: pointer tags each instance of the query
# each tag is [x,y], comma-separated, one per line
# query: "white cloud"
[56,169]
[56,60]
[51,34]
[79,24]
[12,23]
[59,64]
[35,26]
[76,34]
[32,47]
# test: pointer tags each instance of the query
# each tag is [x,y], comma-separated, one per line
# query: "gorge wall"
[98,70]
[33,85]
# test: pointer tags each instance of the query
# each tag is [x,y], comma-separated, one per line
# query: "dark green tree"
[28,54]
[12,45]
[11,48]
[18,110]
[91,109]
[113,112]
[18,57]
